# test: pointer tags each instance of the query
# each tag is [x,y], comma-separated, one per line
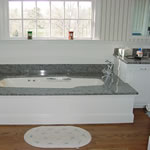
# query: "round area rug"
[57,137]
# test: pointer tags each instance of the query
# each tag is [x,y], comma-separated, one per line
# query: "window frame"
[144,32]
[4,27]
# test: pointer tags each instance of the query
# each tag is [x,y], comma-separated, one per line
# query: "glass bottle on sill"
[29,35]
[70,37]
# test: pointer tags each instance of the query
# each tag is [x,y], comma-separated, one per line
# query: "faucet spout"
[108,71]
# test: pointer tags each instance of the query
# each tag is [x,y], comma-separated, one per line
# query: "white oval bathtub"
[50,82]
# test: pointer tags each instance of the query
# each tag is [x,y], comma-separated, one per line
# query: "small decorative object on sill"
[70,35]
[29,35]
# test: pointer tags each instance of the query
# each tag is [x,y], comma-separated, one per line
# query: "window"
[50,18]
[141,18]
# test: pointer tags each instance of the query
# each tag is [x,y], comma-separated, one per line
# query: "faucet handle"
[68,72]
[109,62]
[110,66]
[104,70]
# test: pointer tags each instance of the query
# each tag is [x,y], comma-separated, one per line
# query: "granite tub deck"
[117,87]
[110,103]
[113,86]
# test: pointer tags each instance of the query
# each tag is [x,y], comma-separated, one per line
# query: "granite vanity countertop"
[114,86]
[133,60]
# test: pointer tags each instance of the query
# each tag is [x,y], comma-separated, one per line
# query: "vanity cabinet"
[136,75]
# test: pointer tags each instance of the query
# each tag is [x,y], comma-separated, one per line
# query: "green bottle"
[29,35]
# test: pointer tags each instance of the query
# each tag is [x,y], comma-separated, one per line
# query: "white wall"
[54,52]
[60,52]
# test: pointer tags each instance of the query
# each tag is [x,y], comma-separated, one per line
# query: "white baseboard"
[139,105]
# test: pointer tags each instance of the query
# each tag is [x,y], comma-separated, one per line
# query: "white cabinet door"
[138,76]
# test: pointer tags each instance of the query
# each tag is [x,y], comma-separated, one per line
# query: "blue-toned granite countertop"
[113,86]
[132,59]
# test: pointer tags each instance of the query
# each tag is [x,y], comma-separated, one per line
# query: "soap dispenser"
[139,53]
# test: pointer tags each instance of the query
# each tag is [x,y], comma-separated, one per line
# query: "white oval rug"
[57,137]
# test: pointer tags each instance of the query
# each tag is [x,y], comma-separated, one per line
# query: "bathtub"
[64,100]
[50,82]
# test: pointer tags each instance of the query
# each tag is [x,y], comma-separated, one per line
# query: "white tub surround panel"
[66,109]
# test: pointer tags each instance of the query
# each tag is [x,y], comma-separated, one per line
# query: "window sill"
[54,41]
[50,39]
[137,37]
